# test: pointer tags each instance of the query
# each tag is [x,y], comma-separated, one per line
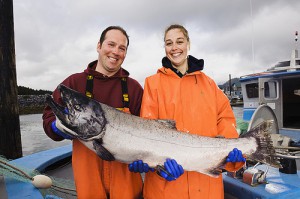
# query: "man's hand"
[139,167]
[59,132]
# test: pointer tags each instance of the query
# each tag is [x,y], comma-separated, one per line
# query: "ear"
[189,46]
[98,46]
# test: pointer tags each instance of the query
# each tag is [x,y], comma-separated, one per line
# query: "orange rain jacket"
[198,106]
[96,178]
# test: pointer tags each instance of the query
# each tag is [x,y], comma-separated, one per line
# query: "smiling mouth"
[113,59]
[175,55]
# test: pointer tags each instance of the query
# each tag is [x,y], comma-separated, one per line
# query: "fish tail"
[265,151]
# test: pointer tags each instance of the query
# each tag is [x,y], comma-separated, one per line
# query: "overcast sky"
[55,38]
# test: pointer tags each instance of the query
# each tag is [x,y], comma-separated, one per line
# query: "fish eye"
[77,107]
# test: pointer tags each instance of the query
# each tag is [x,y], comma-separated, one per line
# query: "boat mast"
[294,55]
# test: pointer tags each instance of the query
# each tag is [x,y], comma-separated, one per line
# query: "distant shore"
[31,104]
[31,110]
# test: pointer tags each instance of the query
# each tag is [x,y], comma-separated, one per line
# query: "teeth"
[112,59]
[176,54]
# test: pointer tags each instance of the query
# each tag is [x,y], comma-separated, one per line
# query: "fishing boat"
[272,94]
[55,163]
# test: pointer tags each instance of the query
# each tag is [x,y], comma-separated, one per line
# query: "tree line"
[22,90]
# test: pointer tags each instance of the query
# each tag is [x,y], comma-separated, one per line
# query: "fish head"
[85,118]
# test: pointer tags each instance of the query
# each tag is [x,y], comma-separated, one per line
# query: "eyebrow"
[176,39]
[121,45]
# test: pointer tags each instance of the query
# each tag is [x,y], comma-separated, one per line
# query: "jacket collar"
[194,65]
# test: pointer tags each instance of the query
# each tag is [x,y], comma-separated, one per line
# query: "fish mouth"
[85,118]
[62,119]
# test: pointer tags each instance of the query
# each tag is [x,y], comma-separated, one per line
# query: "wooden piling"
[10,135]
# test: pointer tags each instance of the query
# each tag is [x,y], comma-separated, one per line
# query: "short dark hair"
[103,34]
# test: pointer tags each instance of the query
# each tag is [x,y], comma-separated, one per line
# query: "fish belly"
[194,153]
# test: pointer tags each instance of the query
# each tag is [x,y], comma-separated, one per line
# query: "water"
[34,138]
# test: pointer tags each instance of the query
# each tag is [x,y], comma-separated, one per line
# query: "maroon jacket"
[107,90]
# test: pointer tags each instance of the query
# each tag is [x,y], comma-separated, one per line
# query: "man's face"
[112,52]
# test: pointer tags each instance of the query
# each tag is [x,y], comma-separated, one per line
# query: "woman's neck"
[183,68]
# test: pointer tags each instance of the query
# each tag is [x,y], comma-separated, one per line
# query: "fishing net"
[61,188]
[241,126]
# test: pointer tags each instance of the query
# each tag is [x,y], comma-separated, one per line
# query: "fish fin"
[265,151]
[102,152]
[168,123]
[216,171]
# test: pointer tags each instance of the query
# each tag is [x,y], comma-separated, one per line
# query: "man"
[107,82]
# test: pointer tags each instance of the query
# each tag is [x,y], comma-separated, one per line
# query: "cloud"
[57,38]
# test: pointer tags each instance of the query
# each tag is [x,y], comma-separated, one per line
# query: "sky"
[56,38]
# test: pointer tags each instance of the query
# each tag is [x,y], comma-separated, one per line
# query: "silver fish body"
[115,135]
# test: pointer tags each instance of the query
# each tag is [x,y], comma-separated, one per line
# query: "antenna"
[252,39]
[294,55]
[296,44]
[296,39]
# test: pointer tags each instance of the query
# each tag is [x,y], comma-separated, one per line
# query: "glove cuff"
[54,128]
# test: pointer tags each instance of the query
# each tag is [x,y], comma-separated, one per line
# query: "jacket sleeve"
[48,115]
[225,118]
[227,126]
[149,108]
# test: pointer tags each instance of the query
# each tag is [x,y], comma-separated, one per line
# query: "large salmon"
[114,135]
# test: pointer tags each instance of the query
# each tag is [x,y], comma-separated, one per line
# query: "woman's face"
[176,47]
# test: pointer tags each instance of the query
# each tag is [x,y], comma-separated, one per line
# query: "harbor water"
[34,139]
[33,136]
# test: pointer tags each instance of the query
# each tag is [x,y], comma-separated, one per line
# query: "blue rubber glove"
[173,168]
[235,156]
[139,167]
[59,132]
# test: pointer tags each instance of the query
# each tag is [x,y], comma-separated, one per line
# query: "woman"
[180,91]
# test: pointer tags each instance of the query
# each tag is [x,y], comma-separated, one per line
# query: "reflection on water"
[34,138]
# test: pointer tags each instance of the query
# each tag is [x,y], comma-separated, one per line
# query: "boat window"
[270,89]
[252,90]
